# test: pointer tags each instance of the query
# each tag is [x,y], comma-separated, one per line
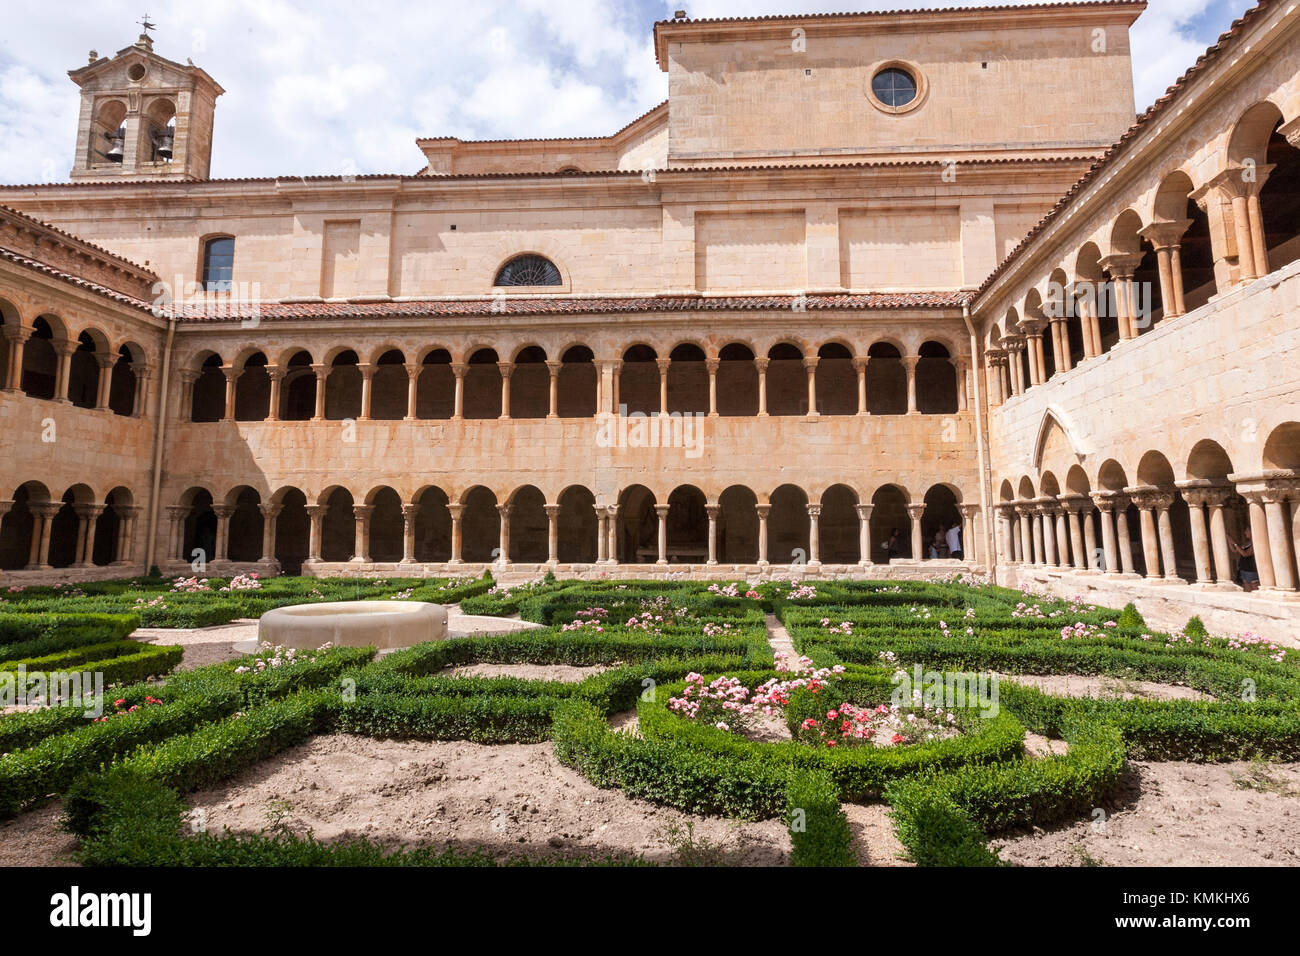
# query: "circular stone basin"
[380,624]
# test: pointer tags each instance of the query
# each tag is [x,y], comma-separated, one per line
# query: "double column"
[1157,533]
[1274,502]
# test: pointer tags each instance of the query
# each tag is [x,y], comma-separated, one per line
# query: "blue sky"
[335,86]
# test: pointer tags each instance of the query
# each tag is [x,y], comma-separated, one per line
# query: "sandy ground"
[507,799]
[873,840]
[203,645]
[567,673]
[1081,685]
[34,839]
[1180,814]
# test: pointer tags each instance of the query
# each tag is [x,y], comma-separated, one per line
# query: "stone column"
[661,513]
[663,365]
[13,374]
[140,400]
[712,365]
[993,367]
[763,511]
[1026,512]
[127,517]
[553,401]
[185,406]
[1259,537]
[552,530]
[105,382]
[1036,519]
[507,369]
[602,535]
[864,534]
[361,546]
[915,512]
[322,373]
[1196,500]
[1125,540]
[1089,538]
[810,364]
[814,536]
[276,375]
[43,513]
[223,513]
[761,365]
[713,511]
[367,371]
[1015,345]
[1062,538]
[909,363]
[1072,530]
[1145,499]
[613,536]
[860,366]
[1047,509]
[269,514]
[232,376]
[503,533]
[1106,505]
[1004,550]
[88,516]
[617,381]
[961,365]
[412,390]
[63,350]
[458,369]
[1168,556]
[175,531]
[409,512]
[316,517]
[1219,538]
[969,548]
[1279,539]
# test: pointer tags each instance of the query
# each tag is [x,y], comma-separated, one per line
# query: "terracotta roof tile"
[433,308]
[30,263]
[1171,96]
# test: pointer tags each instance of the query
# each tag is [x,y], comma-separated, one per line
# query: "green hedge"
[35,635]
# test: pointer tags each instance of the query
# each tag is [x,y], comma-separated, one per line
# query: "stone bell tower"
[143,117]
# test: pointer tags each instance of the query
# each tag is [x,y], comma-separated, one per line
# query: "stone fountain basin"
[380,624]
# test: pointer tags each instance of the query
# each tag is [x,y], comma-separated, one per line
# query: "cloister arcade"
[40,531]
[683,525]
[525,382]
[1197,235]
[47,359]
[1148,519]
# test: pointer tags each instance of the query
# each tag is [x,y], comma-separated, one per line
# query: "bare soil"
[568,673]
[1086,685]
[1179,814]
[508,799]
[34,839]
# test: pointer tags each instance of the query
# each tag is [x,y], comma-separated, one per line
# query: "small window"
[218,264]
[894,87]
[528,270]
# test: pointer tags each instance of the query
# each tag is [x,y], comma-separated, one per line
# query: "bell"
[115,151]
[163,145]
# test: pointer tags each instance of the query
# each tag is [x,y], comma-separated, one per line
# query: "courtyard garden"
[645,722]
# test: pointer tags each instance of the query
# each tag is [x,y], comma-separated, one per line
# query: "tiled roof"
[10,256]
[1111,156]
[548,139]
[626,173]
[570,305]
[9,211]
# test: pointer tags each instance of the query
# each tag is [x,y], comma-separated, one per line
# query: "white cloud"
[319,87]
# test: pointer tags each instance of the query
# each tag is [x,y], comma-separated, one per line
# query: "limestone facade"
[779,325]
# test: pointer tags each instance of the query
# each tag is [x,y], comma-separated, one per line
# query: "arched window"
[528,270]
[218,263]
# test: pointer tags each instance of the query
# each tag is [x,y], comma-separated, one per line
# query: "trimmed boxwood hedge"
[945,796]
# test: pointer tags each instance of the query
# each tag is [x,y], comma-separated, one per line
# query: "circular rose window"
[896,88]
